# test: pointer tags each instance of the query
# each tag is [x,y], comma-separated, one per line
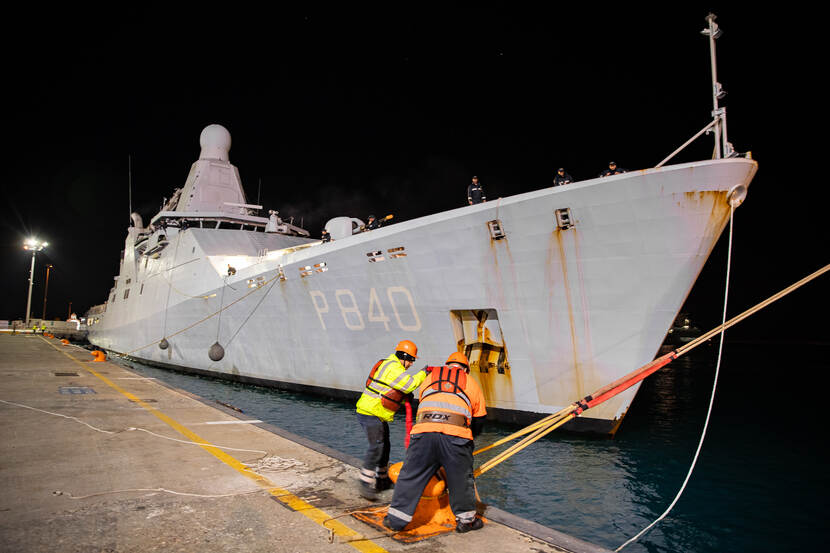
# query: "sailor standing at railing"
[475,192]
[612,170]
[561,177]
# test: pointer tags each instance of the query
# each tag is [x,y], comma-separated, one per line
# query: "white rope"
[165,490]
[196,443]
[58,415]
[711,399]
[133,428]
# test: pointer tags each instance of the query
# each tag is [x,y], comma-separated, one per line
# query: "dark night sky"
[350,112]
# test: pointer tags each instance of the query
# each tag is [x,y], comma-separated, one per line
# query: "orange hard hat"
[407,347]
[458,357]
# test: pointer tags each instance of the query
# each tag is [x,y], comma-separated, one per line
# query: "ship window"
[146,259]
[126,293]
[563,218]
[496,230]
[141,290]
[129,280]
[375,256]
[397,252]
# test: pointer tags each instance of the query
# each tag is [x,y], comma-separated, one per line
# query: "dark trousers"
[427,452]
[376,461]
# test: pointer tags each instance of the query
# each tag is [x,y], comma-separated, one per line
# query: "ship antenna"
[130,184]
[258,188]
[718,124]
[723,149]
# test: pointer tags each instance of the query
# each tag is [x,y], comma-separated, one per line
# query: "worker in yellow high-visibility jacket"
[390,380]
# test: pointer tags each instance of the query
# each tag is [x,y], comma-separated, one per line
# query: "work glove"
[427,369]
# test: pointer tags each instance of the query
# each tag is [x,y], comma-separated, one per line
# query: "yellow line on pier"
[284,496]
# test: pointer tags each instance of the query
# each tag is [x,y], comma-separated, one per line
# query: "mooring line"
[711,397]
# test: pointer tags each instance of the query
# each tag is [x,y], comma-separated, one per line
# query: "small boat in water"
[682,331]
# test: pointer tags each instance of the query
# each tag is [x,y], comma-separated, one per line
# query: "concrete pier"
[94,457]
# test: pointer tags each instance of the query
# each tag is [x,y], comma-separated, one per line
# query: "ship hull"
[551,294]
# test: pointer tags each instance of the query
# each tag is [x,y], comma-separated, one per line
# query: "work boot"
[463,527]
[367,492]
[384,484]
[393,524]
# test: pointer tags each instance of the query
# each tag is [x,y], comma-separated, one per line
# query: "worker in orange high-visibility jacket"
[390,380]
[451,413]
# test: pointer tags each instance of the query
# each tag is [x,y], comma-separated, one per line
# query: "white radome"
[215,141]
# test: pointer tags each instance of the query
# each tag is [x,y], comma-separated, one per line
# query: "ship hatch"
[563,218]
[496,230]
[478,335]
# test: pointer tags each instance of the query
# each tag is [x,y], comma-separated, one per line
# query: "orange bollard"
[433,515]
[65,342]
[99,356]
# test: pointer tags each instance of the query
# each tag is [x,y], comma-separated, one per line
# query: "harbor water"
[758,485]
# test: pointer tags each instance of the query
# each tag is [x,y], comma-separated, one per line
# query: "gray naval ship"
[573,287]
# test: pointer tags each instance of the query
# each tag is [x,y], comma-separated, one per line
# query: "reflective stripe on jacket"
[390,375]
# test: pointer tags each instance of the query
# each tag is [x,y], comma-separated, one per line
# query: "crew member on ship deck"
[561,177]
[390,380]
[612,170]
[372,223]
[475,192]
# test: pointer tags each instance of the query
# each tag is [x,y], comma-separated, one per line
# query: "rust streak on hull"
[566,285]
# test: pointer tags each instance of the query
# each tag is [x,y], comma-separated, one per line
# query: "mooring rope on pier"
[129,429]
[165,490]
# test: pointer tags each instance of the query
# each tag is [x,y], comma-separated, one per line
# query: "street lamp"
[35,246]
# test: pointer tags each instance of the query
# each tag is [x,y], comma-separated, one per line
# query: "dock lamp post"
[35,246]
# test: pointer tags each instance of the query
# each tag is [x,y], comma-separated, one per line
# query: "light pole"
[35,246]
[46,290]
